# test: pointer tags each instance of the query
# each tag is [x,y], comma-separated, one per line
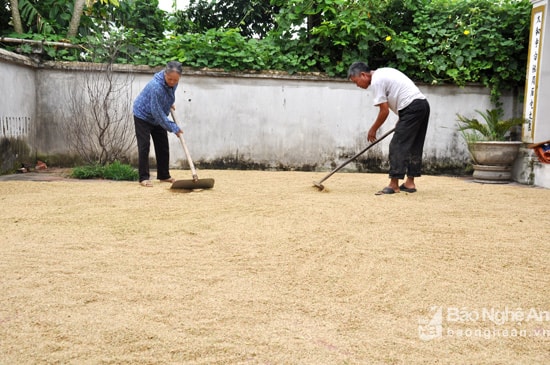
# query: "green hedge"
[433,41]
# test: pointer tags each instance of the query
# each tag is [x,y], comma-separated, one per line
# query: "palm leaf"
[30,15]
[493,129]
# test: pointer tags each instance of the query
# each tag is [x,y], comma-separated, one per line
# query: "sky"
[167,4]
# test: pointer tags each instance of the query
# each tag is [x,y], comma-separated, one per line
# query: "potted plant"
[491,144]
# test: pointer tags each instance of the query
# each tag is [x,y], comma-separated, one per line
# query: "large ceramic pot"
[493,160]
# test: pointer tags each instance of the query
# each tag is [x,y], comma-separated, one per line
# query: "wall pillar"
[536,112]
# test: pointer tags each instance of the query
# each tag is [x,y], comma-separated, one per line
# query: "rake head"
[193,184]
[318,185]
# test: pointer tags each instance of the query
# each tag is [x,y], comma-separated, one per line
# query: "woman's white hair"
[173,66]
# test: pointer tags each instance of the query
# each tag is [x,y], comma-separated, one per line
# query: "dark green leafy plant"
[432,41]
[114,171]
[87,172]
[119,171]
[437,41]
[253,19]
[5,17]
[470,41]
[494,128]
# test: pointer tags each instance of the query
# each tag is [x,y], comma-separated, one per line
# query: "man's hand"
[371,137]
[383,112]
[173,108]
[179,133]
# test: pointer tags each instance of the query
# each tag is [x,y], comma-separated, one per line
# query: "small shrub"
[118,171]
[88,172]
[114,171]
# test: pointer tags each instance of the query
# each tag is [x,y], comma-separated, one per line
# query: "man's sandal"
[387,190]
[406,189]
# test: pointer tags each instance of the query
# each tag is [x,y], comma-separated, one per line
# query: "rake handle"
[187,154]
[357,155]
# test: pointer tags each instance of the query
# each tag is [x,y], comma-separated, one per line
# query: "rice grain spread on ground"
[266,269]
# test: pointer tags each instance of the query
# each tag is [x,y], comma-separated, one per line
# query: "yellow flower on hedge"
[388,38]
[466,32]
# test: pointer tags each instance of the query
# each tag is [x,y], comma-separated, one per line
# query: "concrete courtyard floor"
[266,269]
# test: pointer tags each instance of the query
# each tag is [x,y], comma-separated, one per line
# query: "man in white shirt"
[394,91]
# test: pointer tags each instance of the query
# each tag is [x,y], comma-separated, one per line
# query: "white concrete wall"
[271,121]
[274,120]
[303,122]
[53,96]
[17,96]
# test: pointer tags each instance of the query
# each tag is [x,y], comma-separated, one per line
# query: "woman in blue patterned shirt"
[151,109]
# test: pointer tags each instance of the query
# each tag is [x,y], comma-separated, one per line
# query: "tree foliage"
[142,16]
[252,18]
[53,18]
[432,41]
[5,16]
[476,41]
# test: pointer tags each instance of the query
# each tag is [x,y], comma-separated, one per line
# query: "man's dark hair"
[173,66]
[356,68]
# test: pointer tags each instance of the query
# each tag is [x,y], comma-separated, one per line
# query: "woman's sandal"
[170,180]
[146,183]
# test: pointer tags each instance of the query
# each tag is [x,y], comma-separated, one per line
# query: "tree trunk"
[75,19]
[16,17]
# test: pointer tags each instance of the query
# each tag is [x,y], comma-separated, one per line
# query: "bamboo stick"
[44,43]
